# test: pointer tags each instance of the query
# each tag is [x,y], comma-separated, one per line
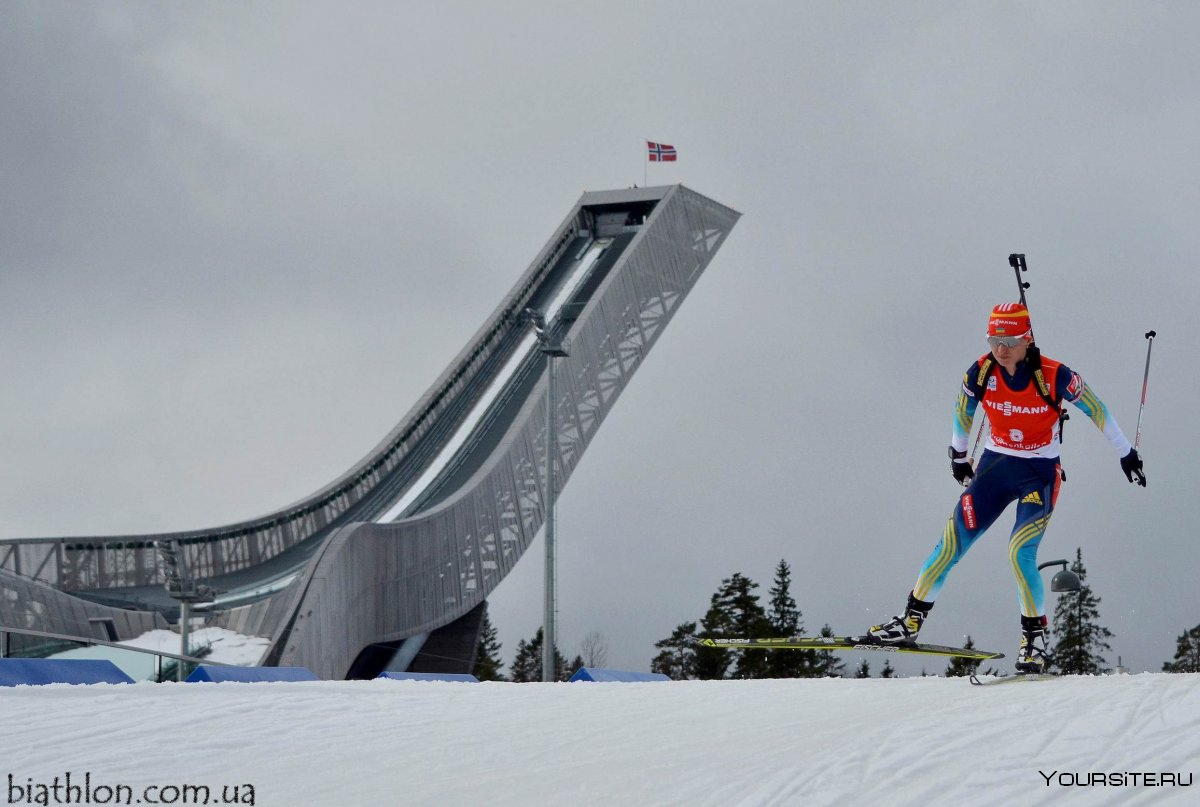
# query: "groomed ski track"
[886,742]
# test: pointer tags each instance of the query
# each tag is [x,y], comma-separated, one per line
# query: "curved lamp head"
[1065,580]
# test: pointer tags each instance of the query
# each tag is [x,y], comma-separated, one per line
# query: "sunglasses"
[1007,341]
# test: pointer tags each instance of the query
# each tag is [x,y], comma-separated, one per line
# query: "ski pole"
[978,436]
[1137,440]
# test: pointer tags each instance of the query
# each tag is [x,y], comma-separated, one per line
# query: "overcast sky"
[239,240]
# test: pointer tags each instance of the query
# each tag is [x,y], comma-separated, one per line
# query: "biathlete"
[1022,394]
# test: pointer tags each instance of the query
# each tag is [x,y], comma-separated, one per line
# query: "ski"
[843,643]
[1013,679]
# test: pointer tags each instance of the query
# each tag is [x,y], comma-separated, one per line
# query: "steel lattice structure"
[352,581]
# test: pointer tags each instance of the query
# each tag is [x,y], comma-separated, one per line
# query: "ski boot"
[902,629]
[1031,658]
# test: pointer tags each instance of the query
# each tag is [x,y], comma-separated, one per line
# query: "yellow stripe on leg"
[1019,540]
[949,548]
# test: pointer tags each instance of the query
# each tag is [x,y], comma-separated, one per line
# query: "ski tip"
[1015,678]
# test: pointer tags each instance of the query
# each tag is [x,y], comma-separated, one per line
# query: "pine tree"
[527,666]
[734,611]
[749,619]
[784,616]
[828,664]
[487,656]
[1081,639]
[963,667]
[1187,653]
[785,620]
[888,670]
[677,655]
[712,663]
[864,670]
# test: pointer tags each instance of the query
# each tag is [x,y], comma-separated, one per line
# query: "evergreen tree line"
[527,664]
[735,610]
[1079,643]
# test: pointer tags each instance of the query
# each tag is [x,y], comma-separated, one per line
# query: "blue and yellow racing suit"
[1019,463]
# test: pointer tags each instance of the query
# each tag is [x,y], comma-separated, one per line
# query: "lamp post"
[1065,580]
[183,587]
[552,349]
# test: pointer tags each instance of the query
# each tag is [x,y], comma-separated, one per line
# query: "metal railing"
[159,655]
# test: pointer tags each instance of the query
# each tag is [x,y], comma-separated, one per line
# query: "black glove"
[960,466]
[1131,464]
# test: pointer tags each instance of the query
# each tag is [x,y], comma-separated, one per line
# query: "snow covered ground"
[224,646]
[802,742]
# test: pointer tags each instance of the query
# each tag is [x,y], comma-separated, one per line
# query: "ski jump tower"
[413,538]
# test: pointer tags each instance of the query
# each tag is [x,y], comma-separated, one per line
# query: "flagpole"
[645,164]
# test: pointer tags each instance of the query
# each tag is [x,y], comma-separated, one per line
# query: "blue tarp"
[597,674]
[217,673]
[35,671]
[464,678]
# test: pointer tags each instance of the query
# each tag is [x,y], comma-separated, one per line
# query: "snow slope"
[810,742]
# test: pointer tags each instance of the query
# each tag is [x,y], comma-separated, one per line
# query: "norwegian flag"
[661,152]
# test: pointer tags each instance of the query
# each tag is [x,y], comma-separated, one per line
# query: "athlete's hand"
[1131,464]
[960,466]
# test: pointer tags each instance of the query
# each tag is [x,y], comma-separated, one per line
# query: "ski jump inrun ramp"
[419,532]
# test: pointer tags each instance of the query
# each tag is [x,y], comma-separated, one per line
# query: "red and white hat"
[1010,319]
